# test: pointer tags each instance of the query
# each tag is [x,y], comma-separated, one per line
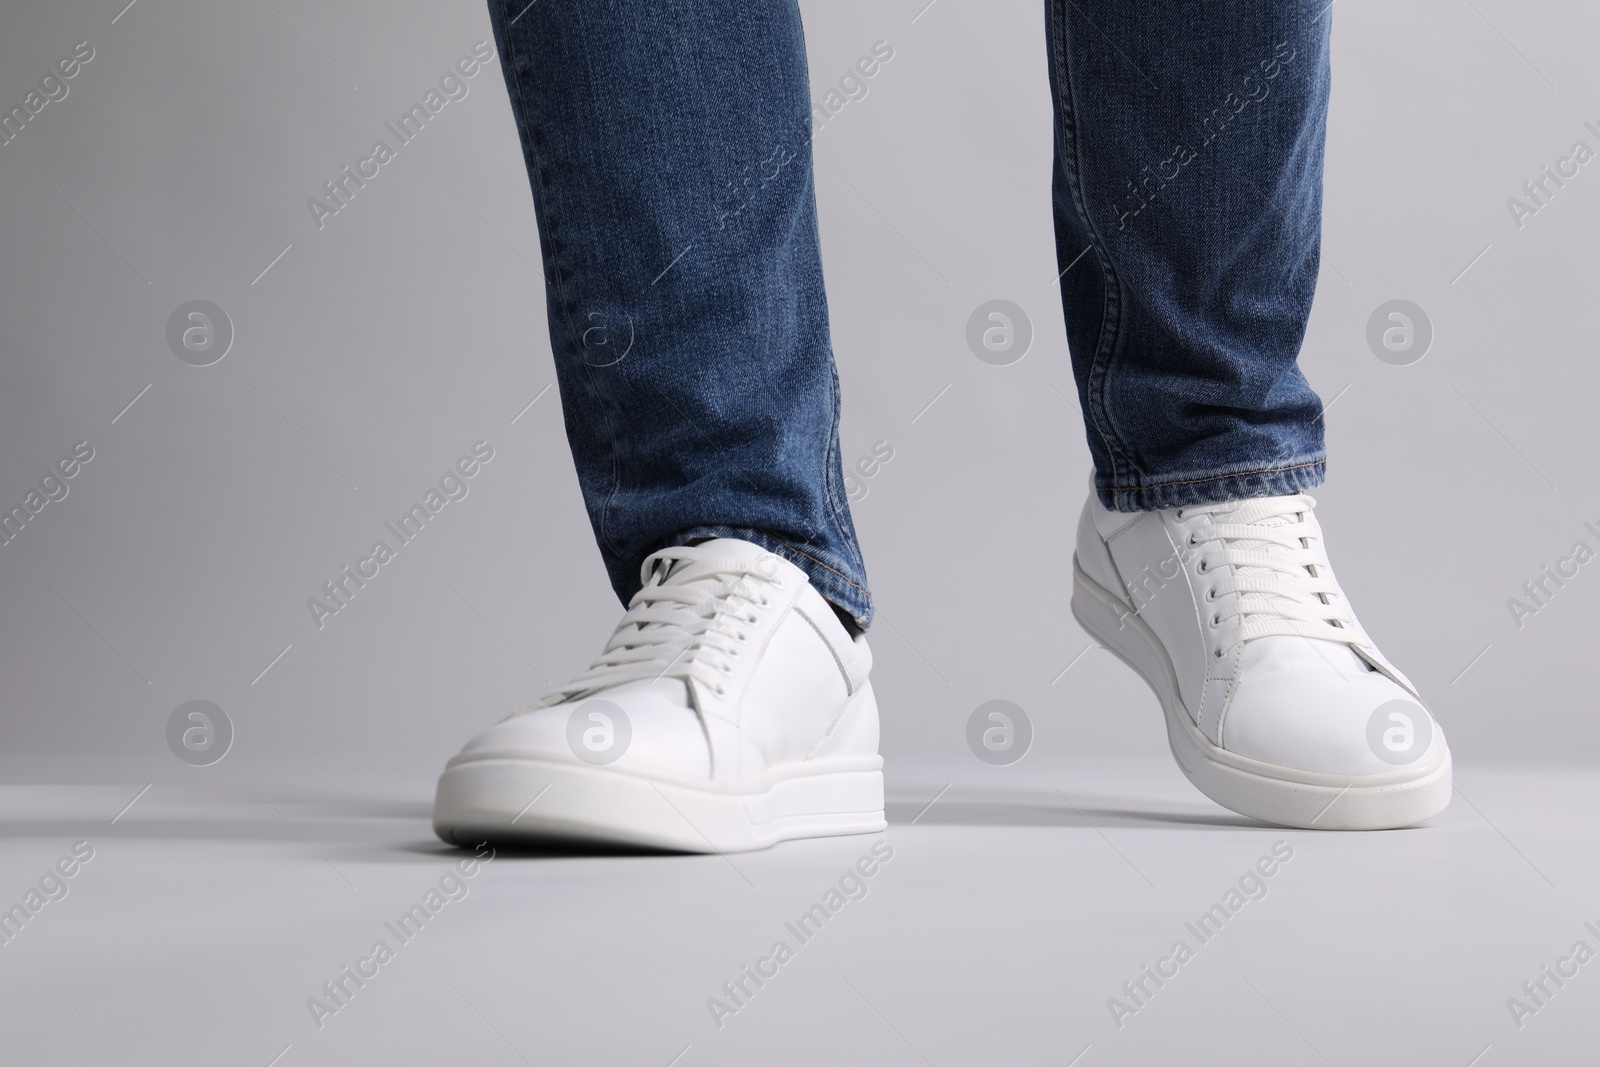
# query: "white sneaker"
[730,710]
[1278,705]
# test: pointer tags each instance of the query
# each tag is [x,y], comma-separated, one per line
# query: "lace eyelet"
[762,602]
[1219,653]
[1211,594]
[1180,514]
[1216,620]
[741,638]
[1192,542]
[1201,568]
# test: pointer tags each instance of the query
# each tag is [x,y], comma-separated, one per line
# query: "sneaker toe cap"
[1332,723]
[629,729]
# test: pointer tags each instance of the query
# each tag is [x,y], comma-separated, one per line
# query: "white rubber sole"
[1285,796]
[538,801]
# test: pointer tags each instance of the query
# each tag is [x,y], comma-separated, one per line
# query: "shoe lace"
[1278,585]
[688,621]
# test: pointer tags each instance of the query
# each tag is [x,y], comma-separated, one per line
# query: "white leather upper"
[1288,700]
[756,673]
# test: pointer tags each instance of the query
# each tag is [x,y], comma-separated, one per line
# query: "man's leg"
[668,145]
[1189,172]
[1187,193]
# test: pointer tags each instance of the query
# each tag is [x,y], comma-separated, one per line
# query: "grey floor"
[1003,924]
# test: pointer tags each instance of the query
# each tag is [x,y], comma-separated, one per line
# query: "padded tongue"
[1268,547]
[728,546]
[684,570]
[1289,652]
[716,548]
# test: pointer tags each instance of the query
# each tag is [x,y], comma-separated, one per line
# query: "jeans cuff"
[1294,477]
[832,578]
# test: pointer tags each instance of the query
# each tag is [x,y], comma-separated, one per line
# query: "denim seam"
[802,552]
[552,245]
[1098,377]
[1258,482]
[836,504]
[1218,477]
[838,508]
[721,529]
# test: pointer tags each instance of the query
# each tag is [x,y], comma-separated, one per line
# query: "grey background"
[412,325]
[375,352]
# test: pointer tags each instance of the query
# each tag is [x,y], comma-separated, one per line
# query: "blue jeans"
[669,149]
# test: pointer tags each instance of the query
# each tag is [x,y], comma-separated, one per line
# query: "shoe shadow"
[368,829]
[555,850]
[1049,810]
[362,832]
